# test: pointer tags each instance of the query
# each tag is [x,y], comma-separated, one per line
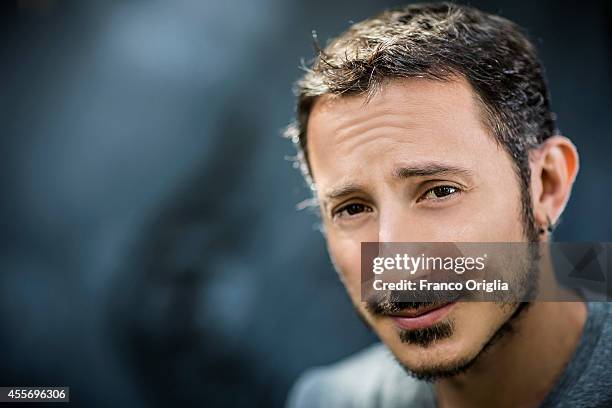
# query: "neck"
[522,368]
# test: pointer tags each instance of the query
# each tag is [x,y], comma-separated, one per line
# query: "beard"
[443,330]
[429,335]
[385,305]
[426,337]
[514,306]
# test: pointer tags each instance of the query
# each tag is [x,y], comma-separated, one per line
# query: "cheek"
[346,256]
[493,214]
[503,219]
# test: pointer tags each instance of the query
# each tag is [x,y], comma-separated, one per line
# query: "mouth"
[422,317]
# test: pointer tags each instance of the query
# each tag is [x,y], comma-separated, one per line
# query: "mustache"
[391,302]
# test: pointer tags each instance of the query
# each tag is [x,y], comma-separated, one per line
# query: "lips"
[422,317]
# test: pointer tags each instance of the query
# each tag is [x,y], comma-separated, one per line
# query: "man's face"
[415,163]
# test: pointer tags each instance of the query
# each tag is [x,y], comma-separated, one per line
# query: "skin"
[357,150]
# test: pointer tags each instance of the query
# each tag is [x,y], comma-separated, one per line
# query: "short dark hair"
[439,41]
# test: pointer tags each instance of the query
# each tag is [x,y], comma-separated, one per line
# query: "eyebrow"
[430,169]
[343,191]
[418,170]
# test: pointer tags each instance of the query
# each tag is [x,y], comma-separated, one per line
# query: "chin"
[438,370]
[437,359]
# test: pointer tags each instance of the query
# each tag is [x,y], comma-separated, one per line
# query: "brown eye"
[440,192]
[352,209]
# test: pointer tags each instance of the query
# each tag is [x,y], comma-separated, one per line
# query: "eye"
[440,192]
[351,210]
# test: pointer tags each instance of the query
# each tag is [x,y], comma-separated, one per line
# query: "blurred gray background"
[151,251]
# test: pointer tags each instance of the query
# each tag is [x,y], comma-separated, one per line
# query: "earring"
[549,227]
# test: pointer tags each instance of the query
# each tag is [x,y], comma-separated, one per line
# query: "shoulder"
[601,326]
[370,378]
[603,311]
[607,311]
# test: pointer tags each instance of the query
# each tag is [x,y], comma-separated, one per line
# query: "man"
[432,123]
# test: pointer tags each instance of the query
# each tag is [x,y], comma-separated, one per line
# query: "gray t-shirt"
[372,378]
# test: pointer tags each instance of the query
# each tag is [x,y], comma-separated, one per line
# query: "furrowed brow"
[341,192]
[430,169]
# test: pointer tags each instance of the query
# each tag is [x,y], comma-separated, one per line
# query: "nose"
[395,224]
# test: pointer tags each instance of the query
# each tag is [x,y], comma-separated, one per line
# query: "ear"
[554,166]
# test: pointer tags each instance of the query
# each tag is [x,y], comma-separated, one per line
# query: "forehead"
[406,121]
